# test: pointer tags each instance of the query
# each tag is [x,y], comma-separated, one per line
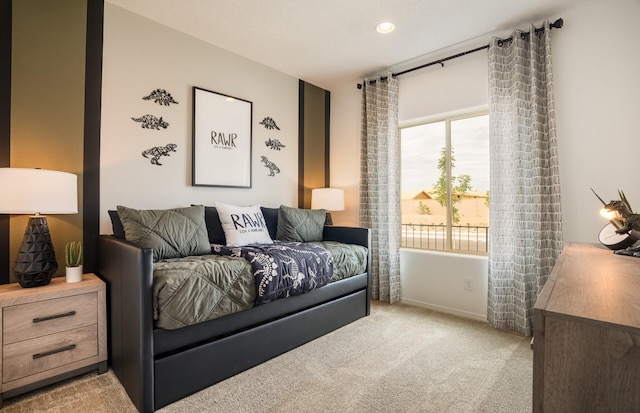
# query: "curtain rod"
[555,25]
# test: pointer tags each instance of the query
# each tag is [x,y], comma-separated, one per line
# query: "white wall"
[141,55]
[437,280]
[460,85]
[597,89]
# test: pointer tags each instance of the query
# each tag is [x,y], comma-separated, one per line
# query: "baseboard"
[447,310]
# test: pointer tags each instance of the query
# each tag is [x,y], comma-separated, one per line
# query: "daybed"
[159,366]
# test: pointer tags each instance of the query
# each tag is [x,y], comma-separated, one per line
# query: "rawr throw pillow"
[243,225]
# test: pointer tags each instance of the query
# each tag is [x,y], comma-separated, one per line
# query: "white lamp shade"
[29,191]
[331,199]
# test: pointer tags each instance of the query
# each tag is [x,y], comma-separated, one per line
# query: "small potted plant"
[73,259]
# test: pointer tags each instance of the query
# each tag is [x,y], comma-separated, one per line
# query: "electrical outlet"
[468,284]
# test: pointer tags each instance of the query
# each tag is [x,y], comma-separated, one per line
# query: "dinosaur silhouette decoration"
[151,122]
[269,123]
[161,97]
[273,168]
[274,144]
[157,151]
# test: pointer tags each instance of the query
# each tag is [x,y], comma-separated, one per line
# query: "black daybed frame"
[158,367]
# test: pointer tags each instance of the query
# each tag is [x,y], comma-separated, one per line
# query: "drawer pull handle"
[53,317]
[59,350]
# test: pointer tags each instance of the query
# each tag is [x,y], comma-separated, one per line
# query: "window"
[445,184]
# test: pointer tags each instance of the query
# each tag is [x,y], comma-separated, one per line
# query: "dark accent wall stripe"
[5,125]
[93,100]
[327,140]
[314,107]
[301,84]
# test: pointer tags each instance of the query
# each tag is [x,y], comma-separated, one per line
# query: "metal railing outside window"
[465,238]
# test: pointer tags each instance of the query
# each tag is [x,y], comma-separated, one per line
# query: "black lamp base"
[328,220]
[36,262]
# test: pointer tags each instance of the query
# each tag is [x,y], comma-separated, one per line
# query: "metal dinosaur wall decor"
[269,123]
[161,97]
[148,121]
[151,122]
[273,168]
[157,151]
[274,144]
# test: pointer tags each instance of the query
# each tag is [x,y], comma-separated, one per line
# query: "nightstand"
[51,333]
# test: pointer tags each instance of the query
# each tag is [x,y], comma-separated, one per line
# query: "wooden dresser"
[586,351]
[50,333]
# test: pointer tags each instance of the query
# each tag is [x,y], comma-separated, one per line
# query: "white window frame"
[447,118]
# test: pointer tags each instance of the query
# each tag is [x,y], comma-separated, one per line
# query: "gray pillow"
[300,225]
[171,233]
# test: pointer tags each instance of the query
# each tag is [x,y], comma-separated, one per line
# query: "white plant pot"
[74,274]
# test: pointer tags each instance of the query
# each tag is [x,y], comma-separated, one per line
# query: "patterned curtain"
[525,210]
[380,185]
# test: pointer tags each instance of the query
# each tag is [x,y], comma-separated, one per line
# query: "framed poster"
[221,140]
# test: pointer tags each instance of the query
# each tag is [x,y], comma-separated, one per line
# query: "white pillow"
[243,225]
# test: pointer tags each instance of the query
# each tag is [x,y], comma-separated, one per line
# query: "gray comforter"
[194,289]
[348,259]
[191,290]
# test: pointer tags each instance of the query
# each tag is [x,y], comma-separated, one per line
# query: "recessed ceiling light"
[385,27]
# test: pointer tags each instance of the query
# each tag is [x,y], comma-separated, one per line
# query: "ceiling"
[328,41]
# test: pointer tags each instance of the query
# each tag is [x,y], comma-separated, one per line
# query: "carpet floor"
[399,359]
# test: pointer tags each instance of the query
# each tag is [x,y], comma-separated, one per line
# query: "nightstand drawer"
[26,321]
[33,356]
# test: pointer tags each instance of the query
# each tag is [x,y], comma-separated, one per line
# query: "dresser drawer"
[27,321]
[39,354]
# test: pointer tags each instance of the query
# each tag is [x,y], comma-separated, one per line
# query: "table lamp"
[608,235]
[331,199]
[37,191]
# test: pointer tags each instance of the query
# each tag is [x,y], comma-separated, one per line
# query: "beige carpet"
[399,359]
